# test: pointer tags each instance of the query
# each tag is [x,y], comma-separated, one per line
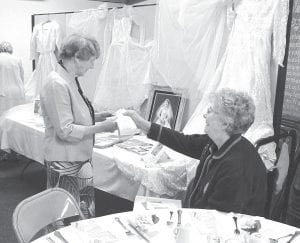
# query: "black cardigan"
[231,179]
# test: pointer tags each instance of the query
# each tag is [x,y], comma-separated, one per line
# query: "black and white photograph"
[166,108]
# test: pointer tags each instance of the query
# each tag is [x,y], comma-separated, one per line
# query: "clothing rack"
[70,12]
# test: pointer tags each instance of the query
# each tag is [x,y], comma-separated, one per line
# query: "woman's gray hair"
[235,108]
[5,46]
[79,46]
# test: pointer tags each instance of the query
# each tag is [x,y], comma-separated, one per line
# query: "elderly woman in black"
[231,176]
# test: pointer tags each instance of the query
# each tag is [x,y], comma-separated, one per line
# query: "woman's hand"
[139,121]
[106,126]
[101,116]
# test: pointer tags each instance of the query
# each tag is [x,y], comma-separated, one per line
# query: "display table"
[155,226]
[116,170]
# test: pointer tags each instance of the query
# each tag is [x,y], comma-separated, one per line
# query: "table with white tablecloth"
[116,170]
[197,225]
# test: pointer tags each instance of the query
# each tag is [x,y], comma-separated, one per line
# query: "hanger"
[47,21]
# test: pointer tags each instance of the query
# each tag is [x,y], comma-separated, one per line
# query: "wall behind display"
[291,104]
[15,22]
[89,80]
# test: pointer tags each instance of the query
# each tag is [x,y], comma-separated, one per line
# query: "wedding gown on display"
[124,77]
[245,66]
[46,38]
[89,22]
[189,39]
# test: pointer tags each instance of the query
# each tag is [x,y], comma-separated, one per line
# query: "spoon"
[170,222]
[236,230]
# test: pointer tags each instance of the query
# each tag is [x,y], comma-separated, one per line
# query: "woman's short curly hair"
[5,46]
[235,108]
[79,46]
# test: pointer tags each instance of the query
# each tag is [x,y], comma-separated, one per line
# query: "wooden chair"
[281,176]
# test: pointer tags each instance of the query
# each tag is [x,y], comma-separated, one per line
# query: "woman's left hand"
[101,116]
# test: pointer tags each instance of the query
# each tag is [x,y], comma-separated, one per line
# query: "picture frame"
[165,106]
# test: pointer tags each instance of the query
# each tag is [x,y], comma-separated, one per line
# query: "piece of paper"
[152,203]
[126,126]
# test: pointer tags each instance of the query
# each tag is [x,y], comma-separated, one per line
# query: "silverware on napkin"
[139,232]
[60,236]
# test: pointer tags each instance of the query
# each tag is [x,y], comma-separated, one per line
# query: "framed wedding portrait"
[166,106]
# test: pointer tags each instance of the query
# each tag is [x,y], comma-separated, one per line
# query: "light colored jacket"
[66,117]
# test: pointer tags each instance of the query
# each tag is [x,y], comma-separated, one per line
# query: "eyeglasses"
[227,102]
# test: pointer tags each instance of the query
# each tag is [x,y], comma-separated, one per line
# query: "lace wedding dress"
[46,37]
[124,77]
[90,22]
[245,66]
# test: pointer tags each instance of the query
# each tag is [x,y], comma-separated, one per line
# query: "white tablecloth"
[22,131]
[197,226]
[116,170]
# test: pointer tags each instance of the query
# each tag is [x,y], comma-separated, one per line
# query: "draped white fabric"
[90,22]
[124,77]
[189,41]
[46,37]
[11,82]
[245,66]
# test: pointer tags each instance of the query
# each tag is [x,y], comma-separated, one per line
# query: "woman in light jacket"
[70,122]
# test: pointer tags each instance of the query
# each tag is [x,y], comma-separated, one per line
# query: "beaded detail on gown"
[124,77]
[245,66]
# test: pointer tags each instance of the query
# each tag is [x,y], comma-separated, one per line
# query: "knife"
[60,236]
[136,229]
[293,236]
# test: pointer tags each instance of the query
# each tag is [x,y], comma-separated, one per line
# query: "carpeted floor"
[14,189]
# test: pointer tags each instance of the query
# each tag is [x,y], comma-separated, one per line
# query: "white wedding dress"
[124,77]
[46,38]
[90,22]
[189,39]
[245,66]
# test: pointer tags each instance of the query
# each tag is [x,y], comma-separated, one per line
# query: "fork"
[236,230]
[272,240]
[127,231]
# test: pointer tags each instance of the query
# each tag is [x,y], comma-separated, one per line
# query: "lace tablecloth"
[166,179]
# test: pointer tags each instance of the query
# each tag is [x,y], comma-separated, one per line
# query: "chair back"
[34,213]
[280,178]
